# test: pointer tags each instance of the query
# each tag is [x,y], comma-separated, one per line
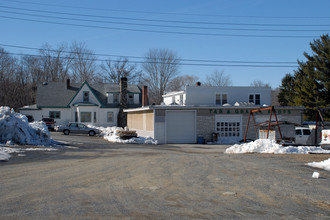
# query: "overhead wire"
[167,21]
[162,26]
[159,62]
[140,57]
[166,13]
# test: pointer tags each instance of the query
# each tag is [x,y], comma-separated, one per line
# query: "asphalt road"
[101,180]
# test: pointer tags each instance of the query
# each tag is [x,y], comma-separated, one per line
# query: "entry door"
[229,128]
[180,127]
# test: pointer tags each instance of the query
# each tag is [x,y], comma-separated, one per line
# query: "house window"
[116,98]
[224,99]
[130,98]
[221,99]
[86,117]
[255,99]
[86,96]
[76,116]
[94,117]
[109,116]
[55,114]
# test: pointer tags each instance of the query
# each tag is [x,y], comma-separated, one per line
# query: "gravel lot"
[101,180]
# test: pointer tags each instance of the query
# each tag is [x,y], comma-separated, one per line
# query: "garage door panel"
[181,126]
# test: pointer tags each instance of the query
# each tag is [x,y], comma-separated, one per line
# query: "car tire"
[66,132]
[91,133]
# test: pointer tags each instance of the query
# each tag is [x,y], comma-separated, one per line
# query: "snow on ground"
[270,146]
[322,165]
[110,134]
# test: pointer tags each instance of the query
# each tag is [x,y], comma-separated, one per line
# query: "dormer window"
[86,96]
[130,98]
[221,99]
[116,98]
[254,98]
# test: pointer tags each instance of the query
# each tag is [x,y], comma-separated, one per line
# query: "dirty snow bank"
[109,134]
[270,146]
[322,165]
[15,129]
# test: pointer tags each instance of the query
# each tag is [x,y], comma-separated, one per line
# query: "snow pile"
[270,146]
[15,129]
[322,165]
[110,134]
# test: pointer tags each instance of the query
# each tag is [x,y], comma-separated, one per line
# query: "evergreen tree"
[309,87]
[287,92]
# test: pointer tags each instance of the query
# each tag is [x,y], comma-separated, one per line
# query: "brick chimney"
[144,95]
[122,116]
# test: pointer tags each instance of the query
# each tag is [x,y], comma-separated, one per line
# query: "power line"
[163,26]
[161,32]
[168,13]
[157,62]
[139,57]
[171,21]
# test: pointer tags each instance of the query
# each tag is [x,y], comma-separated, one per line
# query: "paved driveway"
[100,180]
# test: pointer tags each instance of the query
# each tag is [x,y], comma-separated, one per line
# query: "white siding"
[79,96]
[136,98]
[205,95]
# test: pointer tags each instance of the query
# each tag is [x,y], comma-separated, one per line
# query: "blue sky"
[310,19]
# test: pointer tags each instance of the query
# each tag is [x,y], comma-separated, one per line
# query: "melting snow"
[322,165]
[110,134]
[270,146]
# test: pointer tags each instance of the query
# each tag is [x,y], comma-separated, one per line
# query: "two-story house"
[206,111]
[95,104]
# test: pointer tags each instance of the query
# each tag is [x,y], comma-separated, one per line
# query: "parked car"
[77,128]
[302,135]
[50,123]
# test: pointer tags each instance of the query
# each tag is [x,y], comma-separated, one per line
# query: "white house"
[209,112]
[95,104]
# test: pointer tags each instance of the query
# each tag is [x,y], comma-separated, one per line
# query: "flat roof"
[195,107]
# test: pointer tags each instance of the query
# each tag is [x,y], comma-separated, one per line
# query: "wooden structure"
[270,123]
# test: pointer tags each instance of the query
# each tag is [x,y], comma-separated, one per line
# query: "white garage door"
[180,127]
[229,128]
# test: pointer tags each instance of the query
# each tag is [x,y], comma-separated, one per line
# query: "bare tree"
[160,67]
[113,71]
[179,83]
[55,63]
[259,83]
[15,91]
[218,78]
[83,63]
